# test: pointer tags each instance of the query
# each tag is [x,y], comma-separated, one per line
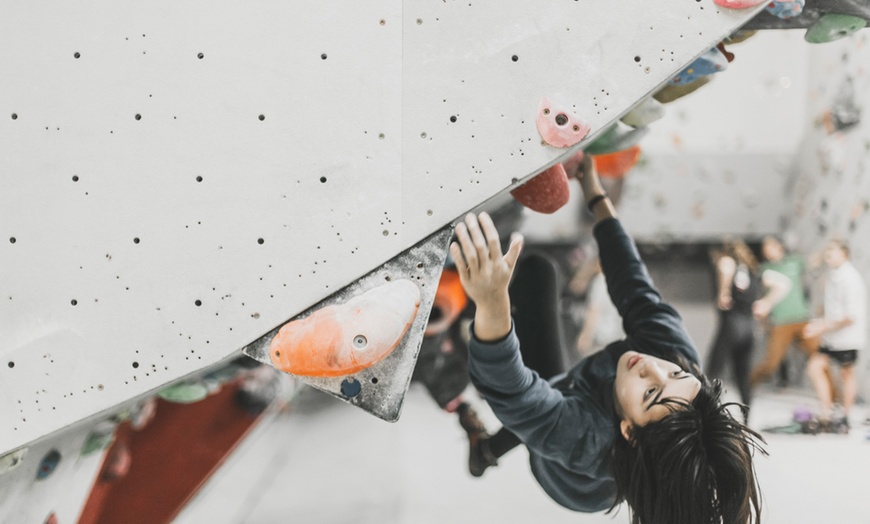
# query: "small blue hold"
[350,387]
[785,9]
[48,464]
[710,62]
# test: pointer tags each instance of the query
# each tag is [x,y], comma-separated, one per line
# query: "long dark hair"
[693,466]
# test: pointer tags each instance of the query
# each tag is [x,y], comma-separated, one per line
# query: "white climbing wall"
[177,179]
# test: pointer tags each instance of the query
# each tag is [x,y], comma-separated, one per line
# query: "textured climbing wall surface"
[180,178]
[830,196]
[718,162]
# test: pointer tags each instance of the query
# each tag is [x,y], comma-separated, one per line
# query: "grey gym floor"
[323,461]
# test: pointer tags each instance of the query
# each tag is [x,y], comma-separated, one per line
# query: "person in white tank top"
[843,328]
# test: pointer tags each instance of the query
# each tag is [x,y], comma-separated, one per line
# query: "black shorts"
[844,357]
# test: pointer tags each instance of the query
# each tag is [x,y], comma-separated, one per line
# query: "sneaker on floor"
[836,426]
[841,425]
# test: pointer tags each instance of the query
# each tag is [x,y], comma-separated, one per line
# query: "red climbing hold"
[340,340]
[558,126]
[546,192]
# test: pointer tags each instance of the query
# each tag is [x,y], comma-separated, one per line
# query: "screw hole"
[200,56]
[138,116]
[77,55]
[199,179]
[323,180]
[14,116]
[136,240]
[11,364]
[135,364]
[260,241]
[74,302]
[515,58]
[262,117]
[637,59]
[561,119]
[374,380]
[12,240]
[323,56]
[453,118]
[75,178]
[198,302]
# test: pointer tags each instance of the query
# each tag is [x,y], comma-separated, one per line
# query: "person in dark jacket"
[634,422]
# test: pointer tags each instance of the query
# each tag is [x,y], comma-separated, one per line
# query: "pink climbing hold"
[739,4]
[558,126]
[546,192]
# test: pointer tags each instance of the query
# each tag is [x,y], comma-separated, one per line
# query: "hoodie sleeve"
[540,415]
[647,319]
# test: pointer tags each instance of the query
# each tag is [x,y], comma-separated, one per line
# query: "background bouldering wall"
[830,192]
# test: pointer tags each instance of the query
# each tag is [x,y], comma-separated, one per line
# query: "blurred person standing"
[843,331]
[787,313]
[738,286]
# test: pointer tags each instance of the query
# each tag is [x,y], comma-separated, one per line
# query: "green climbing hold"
[99,439]
[644,113]
[832,27]
[184,392]
[12,460]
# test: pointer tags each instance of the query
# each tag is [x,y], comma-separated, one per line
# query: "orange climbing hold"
[343,339]
[617,164]
[450,300]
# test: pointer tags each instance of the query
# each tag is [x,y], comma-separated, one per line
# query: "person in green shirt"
[787,314]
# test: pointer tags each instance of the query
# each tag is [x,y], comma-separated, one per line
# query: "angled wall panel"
[177,179]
